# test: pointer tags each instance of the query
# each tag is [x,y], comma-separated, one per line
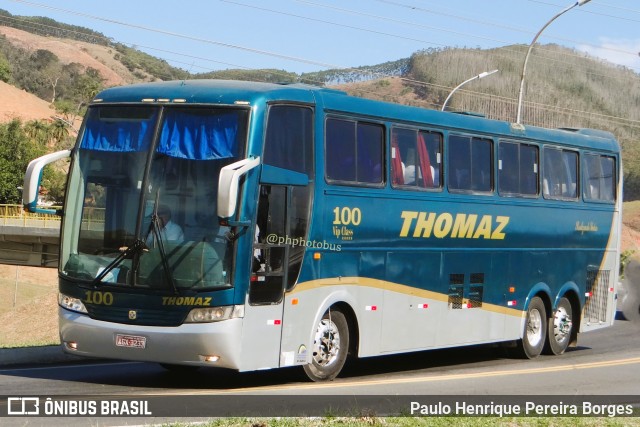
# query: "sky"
[312,35]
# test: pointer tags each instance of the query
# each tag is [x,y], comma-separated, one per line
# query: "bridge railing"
[15,215]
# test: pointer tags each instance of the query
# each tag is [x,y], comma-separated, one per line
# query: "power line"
[403,22]
[184,36]
[582,10]
[611,6]
[411,81]
[499,25]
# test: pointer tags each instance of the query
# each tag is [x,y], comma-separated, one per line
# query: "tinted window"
[600,177]
[289,139]
[560,174]
[416,158]
[518,169]
[470,163]
[354,151]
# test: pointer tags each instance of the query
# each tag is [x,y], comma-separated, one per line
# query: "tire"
[535,330]
[560,328]
[330,347]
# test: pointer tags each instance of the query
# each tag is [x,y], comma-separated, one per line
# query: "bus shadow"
[151,376]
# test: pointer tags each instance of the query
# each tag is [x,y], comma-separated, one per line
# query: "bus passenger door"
[281,227]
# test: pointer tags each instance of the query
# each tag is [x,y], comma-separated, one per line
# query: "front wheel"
[535,330]
[560,328]
[330,347]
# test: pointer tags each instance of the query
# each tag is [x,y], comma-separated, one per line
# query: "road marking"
[421,379]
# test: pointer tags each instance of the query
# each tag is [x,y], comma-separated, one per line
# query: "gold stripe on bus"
[395,287]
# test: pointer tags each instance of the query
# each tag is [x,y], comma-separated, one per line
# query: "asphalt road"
[606,362]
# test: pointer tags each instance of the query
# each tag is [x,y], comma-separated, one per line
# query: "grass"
[33,320]
[415,421]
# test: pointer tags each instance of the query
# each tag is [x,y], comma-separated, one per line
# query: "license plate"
[131,341]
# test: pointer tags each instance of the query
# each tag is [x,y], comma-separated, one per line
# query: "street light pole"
[479,76]
[526,58]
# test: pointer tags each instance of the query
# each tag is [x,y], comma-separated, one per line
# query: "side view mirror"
[32,179]
[228,185]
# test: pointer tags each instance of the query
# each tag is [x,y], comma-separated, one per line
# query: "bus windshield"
[142,197]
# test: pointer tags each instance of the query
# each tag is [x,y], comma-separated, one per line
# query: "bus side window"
[419,154]
[354,152]
[470,163]
[560,175]
[599,177]
[518,169]
[289,139]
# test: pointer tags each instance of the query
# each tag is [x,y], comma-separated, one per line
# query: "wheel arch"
[342,301]
[352,321]
[542,291]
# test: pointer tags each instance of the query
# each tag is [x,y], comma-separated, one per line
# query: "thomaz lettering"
[202,301]
[458,226]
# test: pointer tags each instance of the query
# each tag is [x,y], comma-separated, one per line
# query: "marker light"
[71,345]
[211,358]
[70,303]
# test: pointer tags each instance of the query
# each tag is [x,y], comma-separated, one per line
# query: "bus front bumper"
[215,344]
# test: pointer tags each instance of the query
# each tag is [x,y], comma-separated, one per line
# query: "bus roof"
[229,92]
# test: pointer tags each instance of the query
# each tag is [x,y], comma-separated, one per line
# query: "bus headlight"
[214,314]
[70,303]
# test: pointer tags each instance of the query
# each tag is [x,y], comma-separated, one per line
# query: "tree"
[5,69]
[38,131]
[16,150]
[59,130]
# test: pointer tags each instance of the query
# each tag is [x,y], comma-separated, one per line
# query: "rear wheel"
[330,347]
[560,328]
[535,330]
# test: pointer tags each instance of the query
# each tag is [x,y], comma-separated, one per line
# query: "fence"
[14,215]
[21,285]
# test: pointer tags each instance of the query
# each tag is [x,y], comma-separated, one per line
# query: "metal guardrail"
[16,216]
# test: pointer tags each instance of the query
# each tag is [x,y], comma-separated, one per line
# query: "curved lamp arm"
[526,58]
[479,76]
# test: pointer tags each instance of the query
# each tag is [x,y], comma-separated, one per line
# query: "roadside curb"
[35,355]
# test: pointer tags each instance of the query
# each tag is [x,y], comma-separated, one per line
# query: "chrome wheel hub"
[326,343]
[561,324]
[534,328]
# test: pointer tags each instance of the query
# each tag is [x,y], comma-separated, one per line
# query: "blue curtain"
[122,136]
[199,136]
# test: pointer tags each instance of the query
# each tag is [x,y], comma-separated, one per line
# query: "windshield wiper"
[125,252]
[155,228]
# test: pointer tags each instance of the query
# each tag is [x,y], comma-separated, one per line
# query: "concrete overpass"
[29,240]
